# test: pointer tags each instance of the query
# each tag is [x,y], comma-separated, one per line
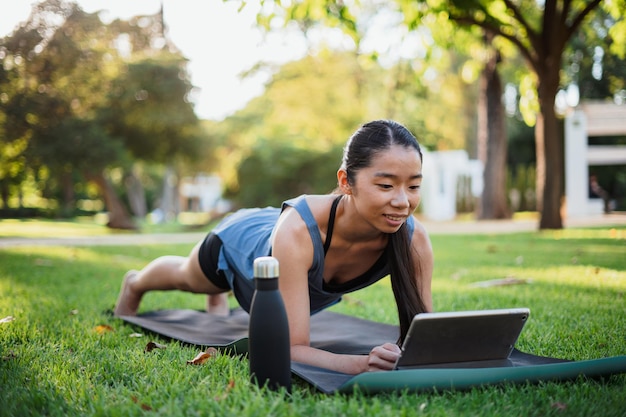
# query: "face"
[387,192]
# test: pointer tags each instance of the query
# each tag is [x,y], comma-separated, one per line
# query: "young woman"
[326,245]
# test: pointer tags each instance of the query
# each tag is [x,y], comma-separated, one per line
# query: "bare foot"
[127,301]
[218,304]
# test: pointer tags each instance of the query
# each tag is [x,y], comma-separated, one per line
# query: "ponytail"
[403,283]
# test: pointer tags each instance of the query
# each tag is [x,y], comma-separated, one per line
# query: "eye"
[385,186]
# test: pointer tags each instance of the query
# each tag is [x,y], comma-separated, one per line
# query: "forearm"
[347,364]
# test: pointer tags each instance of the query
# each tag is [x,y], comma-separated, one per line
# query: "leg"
[168,273]
[218,304]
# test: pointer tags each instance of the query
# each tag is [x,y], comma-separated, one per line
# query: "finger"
[382,358]
[392,347]
[387,352]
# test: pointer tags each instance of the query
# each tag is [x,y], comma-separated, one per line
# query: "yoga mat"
[341,333]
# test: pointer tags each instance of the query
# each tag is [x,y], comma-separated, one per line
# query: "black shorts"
[208,255]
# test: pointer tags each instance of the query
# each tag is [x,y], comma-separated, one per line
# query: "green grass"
[94,226]
[54,362]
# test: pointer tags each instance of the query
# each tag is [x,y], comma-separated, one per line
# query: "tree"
[15,104]
[480,58]
[147,109]
[492,141]
[57,88]
[594,63]
[294,132]
[540,30]
[429,92]
[67,77]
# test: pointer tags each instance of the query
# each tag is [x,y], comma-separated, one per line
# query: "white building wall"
[590,119]
[441,172]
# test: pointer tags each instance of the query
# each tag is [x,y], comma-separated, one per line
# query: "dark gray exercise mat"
[330,331]
[341,333]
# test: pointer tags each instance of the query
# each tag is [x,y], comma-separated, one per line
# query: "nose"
[400,199]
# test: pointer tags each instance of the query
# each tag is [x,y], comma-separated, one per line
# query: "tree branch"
[566,6]
[581,16]
[528,55]
[532,35]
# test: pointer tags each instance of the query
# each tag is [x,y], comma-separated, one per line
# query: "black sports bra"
[331,223]
[360,281]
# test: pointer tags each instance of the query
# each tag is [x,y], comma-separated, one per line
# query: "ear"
[342,181]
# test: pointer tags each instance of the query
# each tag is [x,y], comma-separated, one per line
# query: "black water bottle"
[268,332]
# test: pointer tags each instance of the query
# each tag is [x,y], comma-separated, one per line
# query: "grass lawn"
[63,354]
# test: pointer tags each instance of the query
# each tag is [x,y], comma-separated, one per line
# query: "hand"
[383,358]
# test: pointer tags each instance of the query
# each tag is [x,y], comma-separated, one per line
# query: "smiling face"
[386,192]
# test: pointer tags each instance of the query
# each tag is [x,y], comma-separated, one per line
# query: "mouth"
[395,218]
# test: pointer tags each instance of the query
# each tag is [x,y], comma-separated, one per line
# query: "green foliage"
[309,14]
[53,360]
[275,172]
[617,32]
[312,106]
[134,98]
[289,139]
[315,102]
[80,96]
[591,63]
[147,107]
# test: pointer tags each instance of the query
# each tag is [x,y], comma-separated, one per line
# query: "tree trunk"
[169,199]
[136,195]
[4,192]
[549,152]
[69,196]
[492,144]
[119,218]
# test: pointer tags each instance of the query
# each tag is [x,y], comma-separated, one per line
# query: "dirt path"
[434,228]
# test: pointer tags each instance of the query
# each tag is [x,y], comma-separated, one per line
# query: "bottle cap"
[266,267]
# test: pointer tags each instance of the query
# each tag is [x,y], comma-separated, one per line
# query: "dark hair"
[369,140]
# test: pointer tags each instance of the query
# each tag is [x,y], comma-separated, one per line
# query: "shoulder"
[419,237]
[303,216]
[309,208]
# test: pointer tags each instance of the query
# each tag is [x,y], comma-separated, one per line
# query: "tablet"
[476,338]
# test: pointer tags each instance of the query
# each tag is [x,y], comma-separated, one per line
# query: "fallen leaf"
[153,345]
[202,357]
[103,328]
[73,312]
[7,319]
[10,355]
[559,406]
[43,262]
[135,335]
[143,406]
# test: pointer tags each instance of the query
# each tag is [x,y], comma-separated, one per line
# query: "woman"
[326,245]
